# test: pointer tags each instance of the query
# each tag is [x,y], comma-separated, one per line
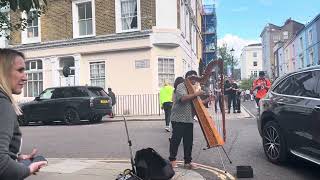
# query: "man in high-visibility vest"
[166,93]
[262,85]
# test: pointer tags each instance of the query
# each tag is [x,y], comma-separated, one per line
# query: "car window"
[306,84]
[47,94]
[302,84]
[77,92]
[285,87]
[97,92]
[57,93]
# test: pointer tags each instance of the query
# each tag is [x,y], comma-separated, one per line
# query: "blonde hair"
[7,57]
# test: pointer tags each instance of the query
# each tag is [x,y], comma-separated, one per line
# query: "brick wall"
[15,35]
[105,17]
[148,14]
[56,23]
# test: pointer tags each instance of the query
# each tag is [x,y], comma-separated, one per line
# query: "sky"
[240,22]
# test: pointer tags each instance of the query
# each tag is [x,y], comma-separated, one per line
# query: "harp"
[208,127]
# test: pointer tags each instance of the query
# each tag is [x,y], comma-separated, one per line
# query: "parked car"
[289,121]
[68,104]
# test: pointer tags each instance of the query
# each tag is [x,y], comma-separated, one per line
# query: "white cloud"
[240,9]
[235,42]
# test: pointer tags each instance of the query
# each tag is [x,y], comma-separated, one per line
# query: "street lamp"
[232,64]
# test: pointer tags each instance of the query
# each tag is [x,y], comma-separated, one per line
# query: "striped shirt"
[182,112]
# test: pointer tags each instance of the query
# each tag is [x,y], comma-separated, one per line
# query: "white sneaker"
[167,128]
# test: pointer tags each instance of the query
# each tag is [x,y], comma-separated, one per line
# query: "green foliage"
[227,58]
[247,83]
[18,6]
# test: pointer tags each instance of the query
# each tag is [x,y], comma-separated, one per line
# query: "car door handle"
[317,108]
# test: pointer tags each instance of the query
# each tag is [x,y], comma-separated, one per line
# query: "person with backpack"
[261,86]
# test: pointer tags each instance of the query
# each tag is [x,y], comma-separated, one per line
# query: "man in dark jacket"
[113,98]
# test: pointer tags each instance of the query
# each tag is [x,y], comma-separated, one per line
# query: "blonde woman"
[12,79]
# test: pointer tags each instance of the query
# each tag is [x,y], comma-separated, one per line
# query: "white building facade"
[251,61]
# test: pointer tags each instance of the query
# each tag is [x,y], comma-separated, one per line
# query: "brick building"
[129,45]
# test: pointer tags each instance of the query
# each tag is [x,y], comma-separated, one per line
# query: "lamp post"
[232,63]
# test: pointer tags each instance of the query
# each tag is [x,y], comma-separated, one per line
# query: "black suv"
[289,121]
[68,104]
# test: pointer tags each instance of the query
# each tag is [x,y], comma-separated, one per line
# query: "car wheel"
[71,116]
[96,118]
[274,143]
[23,121]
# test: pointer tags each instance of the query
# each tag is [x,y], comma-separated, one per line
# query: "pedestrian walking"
[113,99]
[182,122]
[165,94]
[12,79]
[261,86]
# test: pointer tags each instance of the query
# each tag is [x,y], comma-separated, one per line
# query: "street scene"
[159,90]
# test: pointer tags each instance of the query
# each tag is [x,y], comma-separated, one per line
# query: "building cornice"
[83,41]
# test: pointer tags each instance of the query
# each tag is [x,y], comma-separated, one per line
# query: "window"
[255,63]
[310,37]
[302,84]
[311,58]
[254,54]
[83,12]
[285,87]
[127,15]
[32,24]
[97,74]
[182,18]
[85,18]
[301,43]
[33,31]
[165,71]
[285,35]
[34,85]
[47,94]
[255,73]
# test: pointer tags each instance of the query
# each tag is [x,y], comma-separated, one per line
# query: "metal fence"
[133,105]
[140,104]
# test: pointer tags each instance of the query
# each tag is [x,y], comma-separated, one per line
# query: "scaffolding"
[209,33]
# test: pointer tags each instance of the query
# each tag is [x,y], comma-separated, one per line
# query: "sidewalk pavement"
[106,169]
[96,169]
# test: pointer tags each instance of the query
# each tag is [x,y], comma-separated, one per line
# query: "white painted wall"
[247,60]
[166,14]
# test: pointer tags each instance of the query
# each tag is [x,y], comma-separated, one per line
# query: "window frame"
[119,17]
[24,34]
[75,18]
[39,81]
[100,77]
[166,72]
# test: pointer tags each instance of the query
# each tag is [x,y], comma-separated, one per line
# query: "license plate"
[103,101]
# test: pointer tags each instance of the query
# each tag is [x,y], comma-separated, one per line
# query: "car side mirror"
[37,98]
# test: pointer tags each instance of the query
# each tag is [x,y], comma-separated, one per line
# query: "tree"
[227,58]
[18,5]
[247,83]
